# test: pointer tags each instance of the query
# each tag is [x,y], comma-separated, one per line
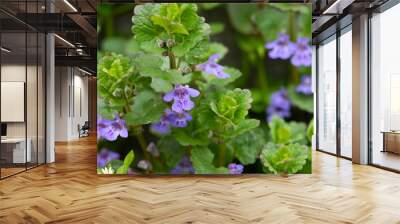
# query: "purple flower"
[180,120]
[111,129]
[171,118]
[105,156]
[163,126]
[235,168]
[183,167]
[303,54]
[305,85]
[279,105]
[181,96]
[211,67]
[281,48]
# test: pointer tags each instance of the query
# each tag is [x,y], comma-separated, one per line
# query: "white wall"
[70,83]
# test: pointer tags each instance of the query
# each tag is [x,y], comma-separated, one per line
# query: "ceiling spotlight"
[70,5]
[65,41]
[84,71]
[5,50]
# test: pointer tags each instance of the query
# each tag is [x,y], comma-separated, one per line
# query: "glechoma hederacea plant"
[180,109]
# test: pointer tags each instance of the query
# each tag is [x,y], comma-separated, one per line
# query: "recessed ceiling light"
[70,5]
[84,71]
[5,50]
[64,40]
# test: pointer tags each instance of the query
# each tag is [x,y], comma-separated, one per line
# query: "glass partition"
[346,93]
[22,95]
[13,94]
[327,96]
[385,89]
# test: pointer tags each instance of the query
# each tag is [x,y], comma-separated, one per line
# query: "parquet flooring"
[69,191]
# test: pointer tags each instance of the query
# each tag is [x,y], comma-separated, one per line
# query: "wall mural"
[206,88]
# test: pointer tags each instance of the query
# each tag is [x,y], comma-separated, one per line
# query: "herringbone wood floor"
[69,191]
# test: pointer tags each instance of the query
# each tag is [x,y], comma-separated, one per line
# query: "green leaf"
[266,20]
[147,108]
[115,72]
[115,164]
[310,131]
[155,67]
[304,102]
[298,132]
[191,41]
[143,28]
[217,27]
[242,127]
[233,106]
[202,160]
[189,17]
[247,147]
[280,130]
[171,151]
[127,162]
[170,26]
[149,61]
[161,85]
[129,158]
[191,135]
[284,159]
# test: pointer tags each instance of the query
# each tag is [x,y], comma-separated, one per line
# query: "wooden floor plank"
[69,191]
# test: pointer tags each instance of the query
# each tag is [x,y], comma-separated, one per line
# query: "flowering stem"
[262,76]
[143,145]
[222,152]
[172,62]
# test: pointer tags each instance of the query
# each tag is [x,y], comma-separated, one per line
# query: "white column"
[360,90]
[50,92]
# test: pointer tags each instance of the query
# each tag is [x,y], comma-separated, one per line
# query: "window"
[346,93]
[327,96]
[385,89]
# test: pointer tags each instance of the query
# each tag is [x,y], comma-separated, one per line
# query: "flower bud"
[170,43]
[186,70]
[144,165]
[153,150]
[161,43]
[117,92]
[202,19]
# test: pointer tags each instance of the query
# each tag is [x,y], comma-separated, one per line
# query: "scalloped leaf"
[284,159]
[202,160]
